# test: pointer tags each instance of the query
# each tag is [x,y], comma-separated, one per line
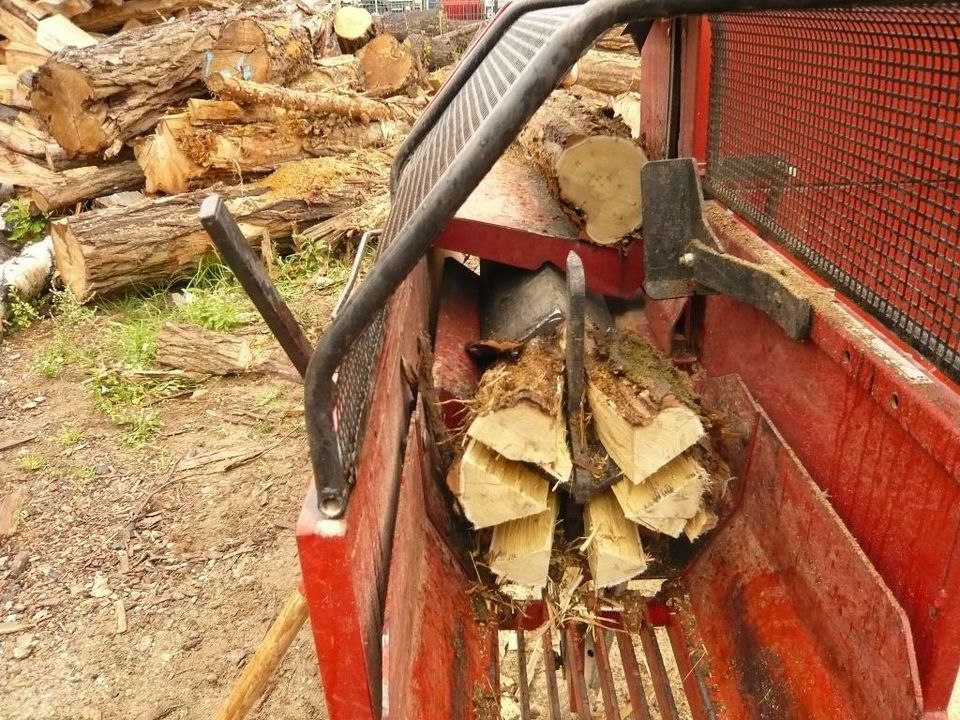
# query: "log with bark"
[590,162]
[345,104]
[23,172]
[218,140]
[110,16]
[197,350]
[341,72]
[617,40]
[150,243]
[86,183]
[610,73]
[420,22]
[389,67]
[643,409]
[20,133]
[24,276]
[94,99]
[519,408]
[354,28]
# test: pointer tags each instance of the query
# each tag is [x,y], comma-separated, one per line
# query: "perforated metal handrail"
[505,77]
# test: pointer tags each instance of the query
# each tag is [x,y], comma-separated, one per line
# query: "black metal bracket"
[683,257]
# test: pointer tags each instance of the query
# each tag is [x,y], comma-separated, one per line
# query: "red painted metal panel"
[655,90]
[344,562]
[434,652]
[455,374]
[695,88]
[878,435]
[796,621]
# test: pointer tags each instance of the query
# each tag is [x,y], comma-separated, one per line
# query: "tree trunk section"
[614,40]
[218,140]
[610,73]
[389,67]
[422,22]
[590,163]
[86,183]
[341,72]
[94,99]
[109,16]
[107,250]
[354,28]
[25,276]
[197,350]
[345,104]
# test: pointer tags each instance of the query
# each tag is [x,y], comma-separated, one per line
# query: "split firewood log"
[18,21]
[56,33]
[85,183]
[93,99]
[218,140]
[345,104]
[616,40]
[20,133]
[23,172]
[25,276]
[67,8]
[111,16]
[519,408]
[590,163]
[614,552]
[668,499]
[198,350]
[389,67]
[20,56]
[627,108]
[354,28]
[610,73]
[493,490]
[520,549]
[642,409]
[152,242]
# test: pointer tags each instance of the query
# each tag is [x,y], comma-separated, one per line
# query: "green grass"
[23,228]
[70,435]
[31,463]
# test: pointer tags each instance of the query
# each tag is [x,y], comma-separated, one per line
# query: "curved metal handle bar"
[464,173]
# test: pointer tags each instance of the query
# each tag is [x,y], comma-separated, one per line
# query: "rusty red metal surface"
[694,88]
[434,659]
[796,621]
[877,430]
[455,374]
[344,562]
[655,90]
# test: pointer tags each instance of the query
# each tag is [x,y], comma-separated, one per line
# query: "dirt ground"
[194,558]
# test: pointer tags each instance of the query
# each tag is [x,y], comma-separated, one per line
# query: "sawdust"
[306,177]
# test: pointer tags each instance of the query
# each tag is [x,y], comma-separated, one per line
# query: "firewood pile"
[514,474]
[118,116]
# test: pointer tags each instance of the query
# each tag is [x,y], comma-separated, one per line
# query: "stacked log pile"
[515,471]
[118,116]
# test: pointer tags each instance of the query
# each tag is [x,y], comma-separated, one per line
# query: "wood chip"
[8,628]
[121,613]
[10,511]
[16,442]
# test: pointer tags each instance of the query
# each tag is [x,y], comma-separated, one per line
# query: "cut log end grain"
[520,549]
[389,67]
[600,176]
[668,500]
[494,490]
[614,553]
[354,28]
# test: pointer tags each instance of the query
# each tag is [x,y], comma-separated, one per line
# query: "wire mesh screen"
[837,134]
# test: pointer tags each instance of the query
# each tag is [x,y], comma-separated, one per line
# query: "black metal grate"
[837,134]
[474,101]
